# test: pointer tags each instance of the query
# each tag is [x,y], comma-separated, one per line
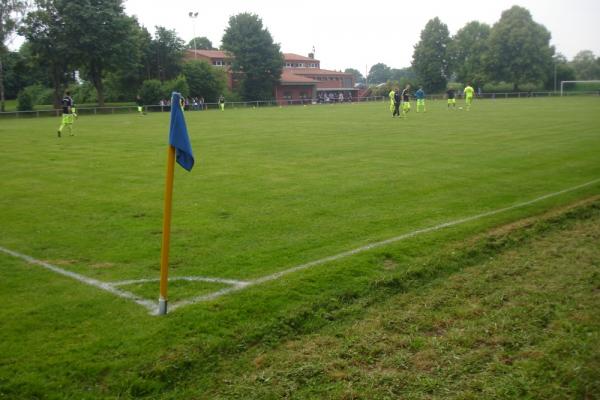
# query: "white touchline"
[237,285]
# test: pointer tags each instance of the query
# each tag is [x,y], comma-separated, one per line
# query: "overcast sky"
[356,35]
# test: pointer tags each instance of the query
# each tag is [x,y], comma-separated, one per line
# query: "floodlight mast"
[193,15]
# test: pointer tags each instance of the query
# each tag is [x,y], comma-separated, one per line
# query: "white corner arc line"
[150,305]
[374,245]
[231,282]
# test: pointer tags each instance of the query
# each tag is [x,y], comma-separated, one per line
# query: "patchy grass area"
[521,322]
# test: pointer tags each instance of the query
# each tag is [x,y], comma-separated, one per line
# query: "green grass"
[272,188]
[520,323]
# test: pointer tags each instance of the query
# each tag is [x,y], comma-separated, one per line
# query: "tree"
[126,78]
[563,71]
[379,73]
[358,77]
[204,80]
[519,49]
[167,49]
[586,65]
[11,12]
[98,33]
[430,58]
[200,43]
[403,74]
[258,61]
[467,52]
[46,33]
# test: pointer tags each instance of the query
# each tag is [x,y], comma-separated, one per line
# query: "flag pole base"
[162,306]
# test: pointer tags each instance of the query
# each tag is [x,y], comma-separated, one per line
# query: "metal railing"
[275,103]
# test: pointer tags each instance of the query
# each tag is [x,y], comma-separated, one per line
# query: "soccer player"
[222,103]
[67,115]
[397,101]
[391,96]
[405,101]
[420,95]
[140,105]
[469,91]
[451,98]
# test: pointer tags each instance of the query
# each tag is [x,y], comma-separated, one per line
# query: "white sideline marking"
[240,285]
[150,305]
[370,246]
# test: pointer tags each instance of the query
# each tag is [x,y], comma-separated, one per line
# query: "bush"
[205,81]
[34,95]
[498,87]
[178,84]
[152,92]
[25,100]
[84,93]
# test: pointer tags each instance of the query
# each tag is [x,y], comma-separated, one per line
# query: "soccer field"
[314,192]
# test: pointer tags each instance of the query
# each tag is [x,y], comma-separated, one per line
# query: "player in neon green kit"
[469,91]
[67,115]
[391,96]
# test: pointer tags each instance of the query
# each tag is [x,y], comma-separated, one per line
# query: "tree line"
[101,54]
[513,54]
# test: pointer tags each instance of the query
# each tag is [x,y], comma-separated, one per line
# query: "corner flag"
[180,148]
[178,134]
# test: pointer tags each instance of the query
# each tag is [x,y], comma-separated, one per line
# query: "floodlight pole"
[166,233]
[193,15]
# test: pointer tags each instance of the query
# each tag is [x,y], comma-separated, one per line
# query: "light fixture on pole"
[193,15]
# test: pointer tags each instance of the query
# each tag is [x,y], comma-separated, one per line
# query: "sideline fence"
[273,103]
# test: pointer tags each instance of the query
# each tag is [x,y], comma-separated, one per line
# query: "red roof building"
[302,79]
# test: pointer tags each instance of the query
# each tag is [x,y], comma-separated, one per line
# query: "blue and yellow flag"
[178,134]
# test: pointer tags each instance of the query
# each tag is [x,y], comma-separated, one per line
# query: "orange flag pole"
[166,233]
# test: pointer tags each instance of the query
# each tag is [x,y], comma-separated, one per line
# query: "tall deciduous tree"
[519,49]
[379,73]
[430,58]
[200,43]
[258,61]
[98,32]
[467,52]
[11,12]
[586,65]
[167,49]
[358,77]
[46,32]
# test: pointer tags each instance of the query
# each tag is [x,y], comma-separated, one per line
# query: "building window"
[289,65]
[287,95]
[218,63]
[313,65]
